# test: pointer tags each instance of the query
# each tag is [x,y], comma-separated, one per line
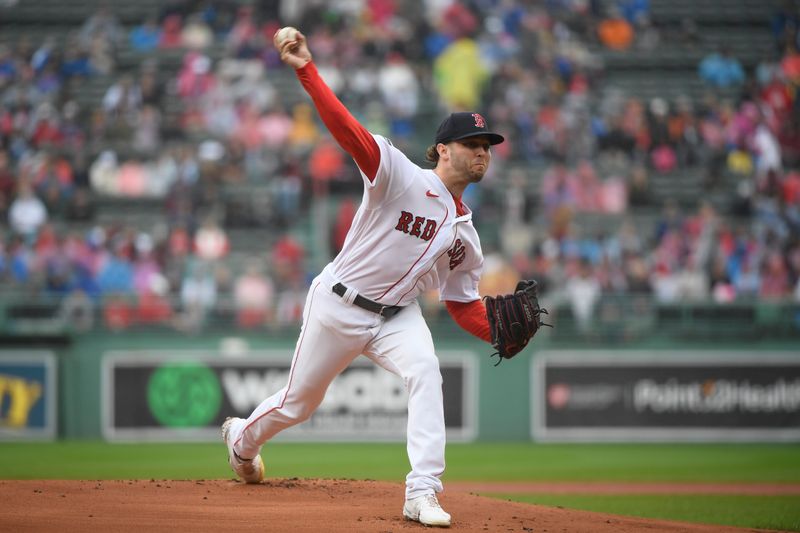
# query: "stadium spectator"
[326,162]
[118,312]
[198,295]
[150,87]
[101,55]
[746,278]
[115,275]
[152,303]
[785,24]
[80,207]
[44,55]
[767,150]
[288,194]
[146,36]
[196,34]
[27,212]
[639,188]
[775,282]
[45,128]
[290,301]
[304,132]
[344,219]
[102,24]
[400,92]
[77,311]
[170,33]
[615,32]
[721,69]
[633,10]
[122,103]
[275,126]
[460,75]
[195,78]
[583,291]
[147,131]
[76,62]
[210,241]
[132,178]
[253,297]
[559,188]
[588,189]
[242,40]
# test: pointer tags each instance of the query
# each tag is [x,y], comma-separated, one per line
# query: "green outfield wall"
[114,385]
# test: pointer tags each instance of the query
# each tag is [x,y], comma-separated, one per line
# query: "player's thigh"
[331,337]
[404,345]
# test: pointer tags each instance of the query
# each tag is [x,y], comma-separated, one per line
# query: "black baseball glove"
[514,319]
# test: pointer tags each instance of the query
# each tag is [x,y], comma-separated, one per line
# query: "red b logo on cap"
[479,122]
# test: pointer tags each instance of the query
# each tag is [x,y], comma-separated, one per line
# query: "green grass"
[481,461]
[765,512]
[700,463]
[627,462]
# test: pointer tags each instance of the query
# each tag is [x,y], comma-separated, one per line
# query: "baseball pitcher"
[411,233]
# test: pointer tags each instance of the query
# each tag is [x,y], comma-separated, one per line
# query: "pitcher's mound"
[279,505]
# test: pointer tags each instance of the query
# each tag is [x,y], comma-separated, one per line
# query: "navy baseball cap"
[463,125]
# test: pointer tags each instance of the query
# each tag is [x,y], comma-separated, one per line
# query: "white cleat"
[426,510]
[249,470]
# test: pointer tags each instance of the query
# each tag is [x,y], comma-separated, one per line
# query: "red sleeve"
[471,316]
[351,136]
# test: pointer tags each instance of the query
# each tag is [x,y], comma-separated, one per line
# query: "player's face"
[471,157]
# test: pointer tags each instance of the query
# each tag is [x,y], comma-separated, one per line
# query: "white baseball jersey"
[406,237]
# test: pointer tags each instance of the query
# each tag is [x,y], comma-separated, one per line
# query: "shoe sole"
[432,524]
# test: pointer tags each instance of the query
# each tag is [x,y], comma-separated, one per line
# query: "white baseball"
[287,33]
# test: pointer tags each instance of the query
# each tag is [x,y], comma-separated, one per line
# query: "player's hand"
[295,52]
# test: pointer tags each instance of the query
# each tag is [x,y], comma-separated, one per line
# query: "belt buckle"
[383,308]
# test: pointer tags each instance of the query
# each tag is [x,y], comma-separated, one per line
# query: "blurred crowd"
[195,103]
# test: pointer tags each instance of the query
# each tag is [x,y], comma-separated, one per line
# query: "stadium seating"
[668,72]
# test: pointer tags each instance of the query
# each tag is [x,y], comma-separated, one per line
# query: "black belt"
[386,311]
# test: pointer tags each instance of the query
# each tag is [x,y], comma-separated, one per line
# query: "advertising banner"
[186,396]
[27,395]
[665,396]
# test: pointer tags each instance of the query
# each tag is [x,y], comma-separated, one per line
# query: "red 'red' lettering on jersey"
[479,122]
[415,226]
[457,254]
[404,221]
[430,229]
[416,229]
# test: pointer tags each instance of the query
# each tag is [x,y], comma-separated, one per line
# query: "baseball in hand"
[287,33]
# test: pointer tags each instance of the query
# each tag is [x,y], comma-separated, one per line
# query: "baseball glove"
[514,319]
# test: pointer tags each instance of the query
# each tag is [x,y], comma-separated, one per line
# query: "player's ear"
[442,149]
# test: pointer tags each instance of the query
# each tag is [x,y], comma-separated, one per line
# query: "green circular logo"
[184,395]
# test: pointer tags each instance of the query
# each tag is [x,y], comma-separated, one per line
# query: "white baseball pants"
[333,334]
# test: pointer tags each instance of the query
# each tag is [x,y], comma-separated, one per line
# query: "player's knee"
[298,413]
[305,413]
[300,407]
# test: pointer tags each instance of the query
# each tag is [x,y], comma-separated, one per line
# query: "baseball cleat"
[249,470]
[426,510]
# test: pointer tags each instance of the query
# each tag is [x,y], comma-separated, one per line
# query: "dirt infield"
[287,505]
[604,487]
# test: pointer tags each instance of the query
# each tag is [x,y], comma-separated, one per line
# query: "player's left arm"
[471,316]
[462,299]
